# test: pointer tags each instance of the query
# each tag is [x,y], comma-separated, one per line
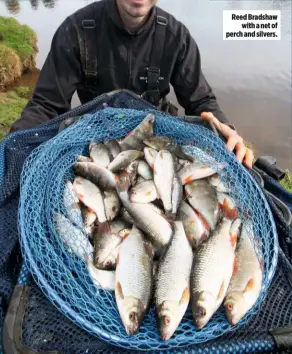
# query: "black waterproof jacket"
[95,57]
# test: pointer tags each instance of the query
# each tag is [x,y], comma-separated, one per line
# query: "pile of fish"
[159,228]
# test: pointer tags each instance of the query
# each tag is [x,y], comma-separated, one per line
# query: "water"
[251,79]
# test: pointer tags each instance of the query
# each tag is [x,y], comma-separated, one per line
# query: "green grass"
[21,38]
[287,181]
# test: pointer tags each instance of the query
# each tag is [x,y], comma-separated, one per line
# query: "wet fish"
[227,205]
[139,180]
[164,172]
[144,170]
[98,175]
[203,198]
[211,273]
[172,289]
[165,143]
[134,280]
[155,226]
[99,154]
[144,192]
[82,158]
[90,195]
[89,218]
[235,231]
[126,216]
[119,227]
[246,282]
[124,159]
[194,171]
[216,182]
[106,246]
[101,278]
[150,156]
[134,140]
[197,230]
[177,194]
[132,170]
[113,147]
[72,205]
[75,241]
[112,204]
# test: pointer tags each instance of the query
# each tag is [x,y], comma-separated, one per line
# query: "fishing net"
[64,277]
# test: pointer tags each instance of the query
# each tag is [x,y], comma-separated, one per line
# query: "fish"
[227,205]
[246,281]
[112,204]
[106,246]
[101,278]
[164,172]
[89,218]
[134,139]
[177,194]
[150,156]
[139,180]
[203,198]
[97,174]
[146,217]
[132,170]
[165,143]
[211,273]
[144,170]
[99,154]
[113,147]
[91,196]
[126,216]
[216,182]
[124,159]
[72,205]
[235,231]
[144,192]
[134,280]
[118,226]
[74,239]
[196,228]
[194,171]
[172,283]
[81,158]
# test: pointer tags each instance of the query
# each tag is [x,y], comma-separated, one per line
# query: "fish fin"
[191,238]
[221,291]
[236,266]
[203,220]
[204,237]
[229,213]
[124,233]
[250,285]
[187,180]
[91,211]
[123,182]
[185,298]
[104,228]
[233,239]
[119,291]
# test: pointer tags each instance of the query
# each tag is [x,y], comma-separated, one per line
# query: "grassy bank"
[18,49]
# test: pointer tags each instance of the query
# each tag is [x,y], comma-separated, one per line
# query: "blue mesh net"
[64,278]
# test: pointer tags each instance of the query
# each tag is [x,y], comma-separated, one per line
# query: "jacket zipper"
[130,62]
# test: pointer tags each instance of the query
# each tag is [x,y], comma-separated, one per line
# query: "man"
[125,44]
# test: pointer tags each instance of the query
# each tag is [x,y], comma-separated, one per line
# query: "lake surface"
[251,79]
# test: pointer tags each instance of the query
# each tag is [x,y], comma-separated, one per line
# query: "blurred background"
[251,79]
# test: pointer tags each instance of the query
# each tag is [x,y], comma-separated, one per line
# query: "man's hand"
[234,141]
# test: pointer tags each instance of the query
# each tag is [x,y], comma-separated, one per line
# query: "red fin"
[221,292]
[191,238]
[104,228]
[185,298]
[187,180]
[119,290]
[203,237]
[230,213]
[91,211]
[233,239]
[250,285]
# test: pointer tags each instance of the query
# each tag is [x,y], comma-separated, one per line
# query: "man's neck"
[131,23]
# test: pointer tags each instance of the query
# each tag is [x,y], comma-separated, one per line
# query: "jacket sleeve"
[57,82]
[190,85]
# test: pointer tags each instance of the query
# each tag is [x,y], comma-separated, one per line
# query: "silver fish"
[227,205]
[164,172]
[144,192]
[172,293]
[132,169]
[101,278]
[124,159]
[114,148]
[134,280]
[194,171]
[118,226]
[216,182]
[211,273]
[90,195]
[97,174]
[177,194]
[126,216]
[112,204]
[144,170]
[235,231]
[197,230]
[203,198]
[246,282]
[72,205]
[150,156]
[75,241]
[139,180]
[89,218]
[81,158]
[134,140]
[99,154]
[156,228]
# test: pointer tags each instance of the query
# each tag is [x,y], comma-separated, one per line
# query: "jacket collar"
[114,15]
